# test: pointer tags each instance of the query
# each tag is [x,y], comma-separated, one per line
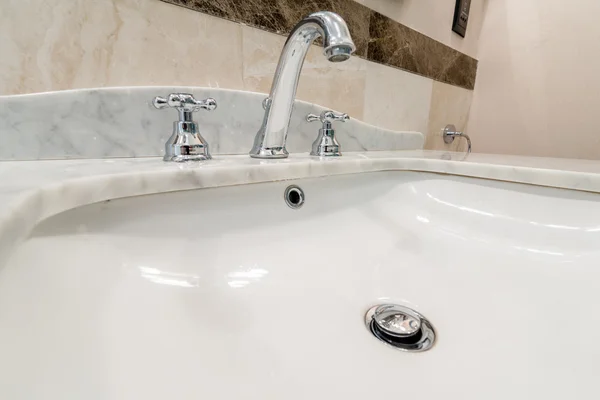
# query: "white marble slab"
[31,191]
[120,122]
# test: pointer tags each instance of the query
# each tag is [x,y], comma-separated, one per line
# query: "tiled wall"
[80,43]
[377,37]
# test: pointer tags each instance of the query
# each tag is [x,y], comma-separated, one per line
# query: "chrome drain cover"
[400,327]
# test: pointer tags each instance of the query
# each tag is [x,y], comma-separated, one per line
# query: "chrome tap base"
[186,144]
[183,158]
[326,145]
[275,152]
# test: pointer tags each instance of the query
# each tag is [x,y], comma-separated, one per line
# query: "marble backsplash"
[121,122]
[377,37]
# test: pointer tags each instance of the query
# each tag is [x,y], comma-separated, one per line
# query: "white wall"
[538,85]
[434,19]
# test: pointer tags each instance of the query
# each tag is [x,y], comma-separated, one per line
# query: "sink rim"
[32,191]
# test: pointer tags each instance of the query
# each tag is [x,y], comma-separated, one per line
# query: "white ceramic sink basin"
[228,293]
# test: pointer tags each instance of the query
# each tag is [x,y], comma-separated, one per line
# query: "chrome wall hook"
[450,133]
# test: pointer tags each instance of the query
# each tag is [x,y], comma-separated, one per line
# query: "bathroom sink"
[229,293]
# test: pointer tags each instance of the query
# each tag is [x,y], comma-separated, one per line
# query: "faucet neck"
[272,135]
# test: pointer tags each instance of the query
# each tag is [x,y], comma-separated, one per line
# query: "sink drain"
[294,196]
[400,327]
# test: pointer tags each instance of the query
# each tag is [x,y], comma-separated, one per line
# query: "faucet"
[338,46]
[186,143]
[326,145]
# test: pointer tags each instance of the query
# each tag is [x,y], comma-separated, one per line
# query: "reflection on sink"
[242,278]
[228,293]
[169,278]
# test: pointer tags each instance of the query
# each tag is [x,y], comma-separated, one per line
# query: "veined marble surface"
[121,122]
[31,191]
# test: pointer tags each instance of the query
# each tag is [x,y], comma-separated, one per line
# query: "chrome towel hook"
[450,133]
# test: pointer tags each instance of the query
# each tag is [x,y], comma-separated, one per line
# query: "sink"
[228,293]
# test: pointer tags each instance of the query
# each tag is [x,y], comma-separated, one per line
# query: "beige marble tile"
[396,99]
[339,86]
[80,43]
[449,105]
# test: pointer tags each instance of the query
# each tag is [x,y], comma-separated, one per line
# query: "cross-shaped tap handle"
[184,102]
[327,117]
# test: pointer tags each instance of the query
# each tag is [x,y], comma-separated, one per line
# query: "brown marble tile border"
[377,37]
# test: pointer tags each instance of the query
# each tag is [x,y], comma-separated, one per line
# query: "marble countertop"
[31,191]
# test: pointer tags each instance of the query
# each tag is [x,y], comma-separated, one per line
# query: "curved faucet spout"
[337,46]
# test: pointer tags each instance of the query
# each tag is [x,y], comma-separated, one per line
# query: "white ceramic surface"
[227,293]
[120,122]
[31,191]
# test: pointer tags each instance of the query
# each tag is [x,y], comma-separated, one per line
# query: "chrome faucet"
[338,46]
[186,143]
[326,145]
